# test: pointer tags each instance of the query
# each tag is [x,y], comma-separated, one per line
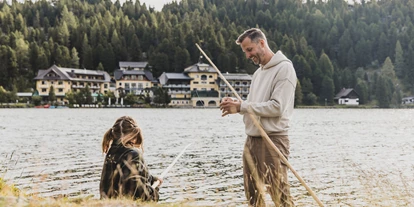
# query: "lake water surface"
[349,157]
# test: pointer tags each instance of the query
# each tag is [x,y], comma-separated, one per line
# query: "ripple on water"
[340,154]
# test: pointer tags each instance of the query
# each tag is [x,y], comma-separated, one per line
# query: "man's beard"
[257,58]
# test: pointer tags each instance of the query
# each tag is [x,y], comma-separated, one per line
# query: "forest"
[367,46]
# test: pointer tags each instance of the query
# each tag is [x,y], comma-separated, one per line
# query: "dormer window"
[203,77]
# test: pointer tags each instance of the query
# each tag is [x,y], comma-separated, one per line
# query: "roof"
[125,64]
[24,94]
[200,67]
[237,76]
[180,76]
[70,74]
[119,73]
[165,77]
[346,92]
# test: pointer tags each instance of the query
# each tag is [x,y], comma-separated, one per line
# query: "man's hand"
[229,105]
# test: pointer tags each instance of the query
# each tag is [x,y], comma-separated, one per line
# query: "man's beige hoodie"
[271,97]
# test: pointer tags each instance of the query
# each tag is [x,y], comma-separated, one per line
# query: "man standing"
[271,100]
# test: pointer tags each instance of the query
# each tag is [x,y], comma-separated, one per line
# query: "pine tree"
[74,58]
[399,60]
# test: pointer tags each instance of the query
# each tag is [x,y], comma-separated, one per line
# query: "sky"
[157,4]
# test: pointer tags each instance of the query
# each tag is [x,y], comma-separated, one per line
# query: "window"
[60,83]
[60,90]
[105,85]
[120,84]
[203,77]
[195,82]
[43,89]
[210,76]
[43,82]
[211,82]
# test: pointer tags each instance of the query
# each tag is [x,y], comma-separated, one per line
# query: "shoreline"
[99,106]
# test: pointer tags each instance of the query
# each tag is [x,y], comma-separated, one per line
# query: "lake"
[349,157]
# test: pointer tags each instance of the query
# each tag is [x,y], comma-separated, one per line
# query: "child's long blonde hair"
[125,130]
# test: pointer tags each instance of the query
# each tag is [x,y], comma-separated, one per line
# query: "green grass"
[11,196]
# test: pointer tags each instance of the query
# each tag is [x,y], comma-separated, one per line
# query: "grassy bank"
[12,196]
[16,105]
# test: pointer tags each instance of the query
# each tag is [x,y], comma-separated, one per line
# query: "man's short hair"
[254,34]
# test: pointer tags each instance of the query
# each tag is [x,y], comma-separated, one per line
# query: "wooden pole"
[163,174]
[262,132]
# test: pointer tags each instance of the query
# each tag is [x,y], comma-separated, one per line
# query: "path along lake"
[349,157]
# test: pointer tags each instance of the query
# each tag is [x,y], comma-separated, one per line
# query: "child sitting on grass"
[124,172]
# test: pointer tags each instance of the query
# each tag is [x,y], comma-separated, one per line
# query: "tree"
[63,34]
[325,65]
[298,94]
[3,95]
[74,58]
[383,92]
[399,60]
[100,67]
[310,99]
[70,96]
[87,55]
[52,95]
[130,99]
[37,100]
[387,69]
[362,89]
[161,96]
[109,95]
[327,90]
[87,94]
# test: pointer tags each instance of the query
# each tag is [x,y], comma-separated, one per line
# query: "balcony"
[179,92]
[196,93]
[177,86]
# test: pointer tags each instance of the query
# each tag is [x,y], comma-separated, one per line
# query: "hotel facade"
[198,86]
[64,80]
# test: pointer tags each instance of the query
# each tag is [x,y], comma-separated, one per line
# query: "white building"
[347,96]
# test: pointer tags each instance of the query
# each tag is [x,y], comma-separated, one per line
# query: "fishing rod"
[163,174]
[262,131]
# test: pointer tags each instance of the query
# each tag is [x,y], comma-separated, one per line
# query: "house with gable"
[64,80]
[133,77]
[347,96]
[203,85]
